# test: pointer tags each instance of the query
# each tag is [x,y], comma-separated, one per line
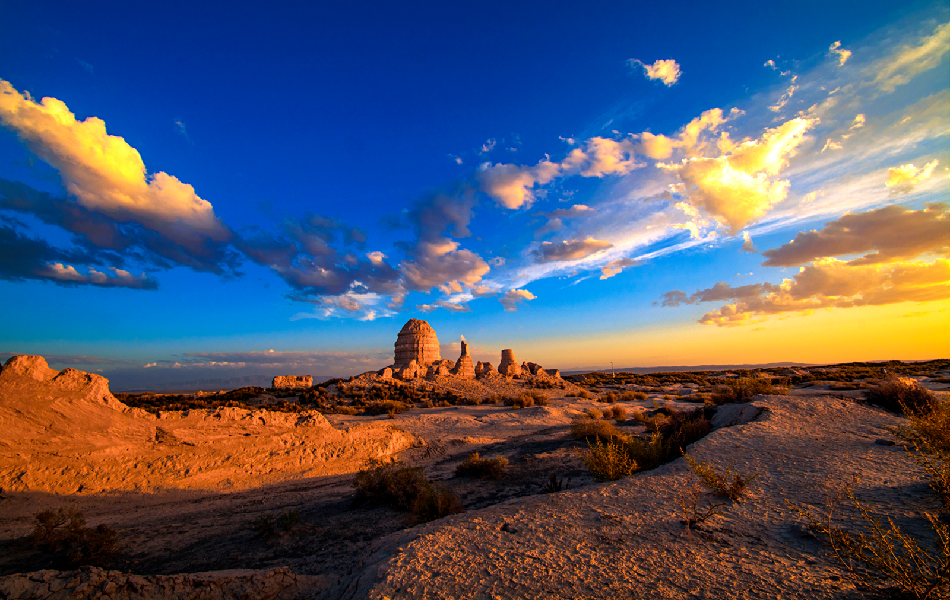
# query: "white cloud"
[905,178]
[512,298]
[911,60]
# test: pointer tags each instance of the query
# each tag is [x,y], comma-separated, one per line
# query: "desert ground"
[258,500]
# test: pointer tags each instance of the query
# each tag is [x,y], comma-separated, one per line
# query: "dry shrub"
[435,502]
[527,400]
[608,461]
[274,525]
[882,554]
[593,413]
[902,395]
[744,389]
[928,441]
[405,488]
[392,407]
[608,398]
[586,428]
[391,484]
[482,468]
[729,484]
[63,533]
[617,413]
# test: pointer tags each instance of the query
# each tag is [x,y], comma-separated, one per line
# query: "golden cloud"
[830,283]
[616,267]
[887,234]
[911,61]
[105,173]
[665,70]
[904,179]
[842,54]
[737,187]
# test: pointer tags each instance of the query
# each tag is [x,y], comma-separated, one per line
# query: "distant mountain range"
[680,368]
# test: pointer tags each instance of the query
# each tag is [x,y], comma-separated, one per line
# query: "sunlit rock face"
[464,367]
[416,342]
[509,366]
[292,381]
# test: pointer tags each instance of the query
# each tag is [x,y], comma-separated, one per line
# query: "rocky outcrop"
[385,374]
[440,368]
[464,367]
[508,367]
[416,342]
[292,381]
[103,445]
[481,368]
[410,371]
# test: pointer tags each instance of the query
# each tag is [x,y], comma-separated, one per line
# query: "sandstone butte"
[64,432]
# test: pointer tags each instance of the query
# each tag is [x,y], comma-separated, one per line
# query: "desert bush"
[608,461]
[435,502]
[593,413]
[539,398]
[581,394]
[586,428]
[274,525]
[617,413]
[405,488]
[385,407]
[607,398]
[927,437]
[391,484]
[900,395]
[882,554]
[693,514]
[63,533]
[482,468]
[743,389]
[522,401]
[729,484]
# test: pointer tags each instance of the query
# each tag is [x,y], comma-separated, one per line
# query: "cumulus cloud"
[830,283]
[616,267]
[840,53]
[570,249]
[905,178]
[738,186]
[912,60]
[512,298]
[512,186]
[667,71]
[886,234]
[436,260]
[688,139]
[312,255]
[107,175]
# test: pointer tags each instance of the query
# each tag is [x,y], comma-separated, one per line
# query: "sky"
[204,194]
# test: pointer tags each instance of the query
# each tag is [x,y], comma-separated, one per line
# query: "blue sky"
[207,184]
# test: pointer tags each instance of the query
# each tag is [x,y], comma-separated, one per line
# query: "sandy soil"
[618,540]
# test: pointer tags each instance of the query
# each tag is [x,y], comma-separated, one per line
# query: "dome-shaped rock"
[417,341]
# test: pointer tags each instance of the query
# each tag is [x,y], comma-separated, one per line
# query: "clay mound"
[64,432]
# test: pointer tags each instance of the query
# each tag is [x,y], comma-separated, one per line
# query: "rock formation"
[104,445]
[416,342]
[292,381]
[508,367]
[464,367]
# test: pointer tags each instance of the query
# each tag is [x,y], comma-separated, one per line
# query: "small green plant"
[63,533]
[608,461]
[554,485]
[730,484]
[482,468]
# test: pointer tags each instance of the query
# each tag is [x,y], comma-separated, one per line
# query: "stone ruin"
[292,381]
[417,355]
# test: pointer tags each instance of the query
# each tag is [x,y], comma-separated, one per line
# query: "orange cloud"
[512,298]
